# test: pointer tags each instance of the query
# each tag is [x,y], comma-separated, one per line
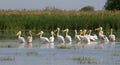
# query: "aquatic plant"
[115,54]
[85,60]
[6,46]
[7,58]
[64,47]
[30,53]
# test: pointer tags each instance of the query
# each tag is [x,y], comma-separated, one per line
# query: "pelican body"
[60,38]
[44,40]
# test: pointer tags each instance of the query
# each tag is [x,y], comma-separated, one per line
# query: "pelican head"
[75,32]
[52,33]
[66,30]
[100,28]
[80,32]
[30,32]
[19,33]
[89,32]
[84,32]
[58,29]
[40,33]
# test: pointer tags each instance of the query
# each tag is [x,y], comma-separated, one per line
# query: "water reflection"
[37,44]
[96,51]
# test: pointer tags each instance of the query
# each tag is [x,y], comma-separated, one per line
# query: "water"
[100,54]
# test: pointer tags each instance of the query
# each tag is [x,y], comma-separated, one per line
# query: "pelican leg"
[29,44]
[21,45]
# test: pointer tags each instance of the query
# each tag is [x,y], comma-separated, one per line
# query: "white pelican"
[43,40]
[77,37]
[21,40]
[86,38]
[68,39]
[92,37]
[102,37]
[51,39]
[60,38]
[111,36]
[29,39]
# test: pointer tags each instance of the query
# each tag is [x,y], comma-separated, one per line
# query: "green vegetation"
[115,54]
[6,46]
[112,5]
[11,21]
[7,58]
[85,60]
[64,47]
[87,8]
[33,53]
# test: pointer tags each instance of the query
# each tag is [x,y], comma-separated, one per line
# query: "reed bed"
[13,20]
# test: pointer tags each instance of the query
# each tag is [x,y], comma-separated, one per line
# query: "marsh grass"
[64,47]
[32,53]
[11,21]
[85,60]
[6,46]
[115,54]
[7,58]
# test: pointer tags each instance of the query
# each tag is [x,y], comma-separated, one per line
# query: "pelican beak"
[39,33]
[54,34]
[55,30]
[64,30]
[82,32]
[32,33]
[97,29]
[19,33]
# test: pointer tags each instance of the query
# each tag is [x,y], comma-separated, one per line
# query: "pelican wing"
[68,38]
[60,39]
[21,39]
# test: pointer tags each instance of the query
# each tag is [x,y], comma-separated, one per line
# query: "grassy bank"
[14,20]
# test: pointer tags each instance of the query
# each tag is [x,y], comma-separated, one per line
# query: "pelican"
[51,39]
[21,40]
[29,39]
[111,36]
[60,38]
[92,37]
[102,37]
[68,38]
[77,37]
[86,38]
[43,40]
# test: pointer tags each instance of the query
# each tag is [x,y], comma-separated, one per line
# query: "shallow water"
[100,54]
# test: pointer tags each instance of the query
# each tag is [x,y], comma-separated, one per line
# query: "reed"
[36,20]
[7,58]
[115,54]
[85,60]
[32,53]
